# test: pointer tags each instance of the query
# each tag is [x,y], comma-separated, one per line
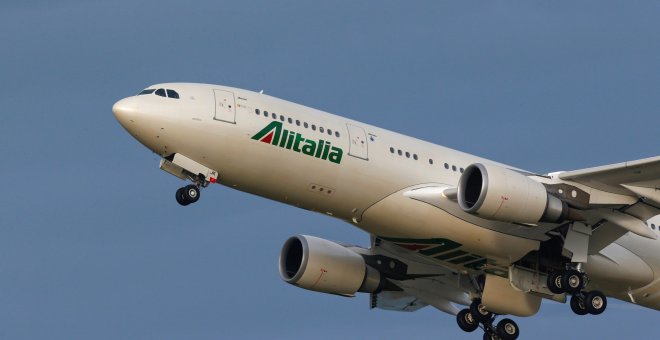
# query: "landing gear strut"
[469,320]
[572,279]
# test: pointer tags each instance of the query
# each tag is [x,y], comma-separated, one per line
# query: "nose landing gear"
[187,195]
[188,170]
[190,193]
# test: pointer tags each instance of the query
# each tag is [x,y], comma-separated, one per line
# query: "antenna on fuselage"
[262,91]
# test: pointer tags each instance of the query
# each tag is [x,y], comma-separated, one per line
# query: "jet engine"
[325,266]
[501,194]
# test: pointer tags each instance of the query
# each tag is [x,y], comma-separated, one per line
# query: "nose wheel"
[187,195]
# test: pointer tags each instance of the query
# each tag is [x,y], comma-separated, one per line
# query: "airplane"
[469,236]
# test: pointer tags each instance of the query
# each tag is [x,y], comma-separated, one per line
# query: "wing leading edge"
[640,178]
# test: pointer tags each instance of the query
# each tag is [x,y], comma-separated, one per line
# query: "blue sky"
[93,244]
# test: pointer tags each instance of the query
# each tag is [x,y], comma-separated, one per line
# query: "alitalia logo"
[274,134]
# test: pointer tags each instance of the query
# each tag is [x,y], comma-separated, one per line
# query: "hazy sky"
[93,244]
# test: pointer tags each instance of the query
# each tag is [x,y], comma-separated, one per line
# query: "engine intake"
[324,266]
[501,194]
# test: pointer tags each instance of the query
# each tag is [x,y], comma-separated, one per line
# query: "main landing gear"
[573,281]
[469,320]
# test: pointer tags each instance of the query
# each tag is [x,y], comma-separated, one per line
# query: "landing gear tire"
[488,335]
[466,321]
[191,193]
[554,283]
[572,281]
[595,302]
[187,195]
[578,304]
[507,329]
[180,198]
[479,311]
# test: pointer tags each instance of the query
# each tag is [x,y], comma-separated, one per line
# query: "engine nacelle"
[501,194]
[324,266]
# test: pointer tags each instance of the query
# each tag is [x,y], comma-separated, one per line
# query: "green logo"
[274,134]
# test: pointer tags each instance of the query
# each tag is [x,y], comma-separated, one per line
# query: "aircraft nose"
[125,110]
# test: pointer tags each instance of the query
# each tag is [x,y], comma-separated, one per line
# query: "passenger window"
[281,118]
[453,167]
[172,94]
[321,129]
[297,122]
[399,152]
[337,134]
[160,92]
[313,127]
[265,113]
[290,120]
[330,132]
[256,111]
[430,161]
[407,154]
[391,149]
[415,156]
[147,91]
[274,115]
[446,166]
[306,125]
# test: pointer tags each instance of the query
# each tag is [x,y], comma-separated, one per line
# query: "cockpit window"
[161,92]
[172,94]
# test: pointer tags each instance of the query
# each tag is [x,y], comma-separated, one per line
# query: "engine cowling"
[324,266]
[500,194]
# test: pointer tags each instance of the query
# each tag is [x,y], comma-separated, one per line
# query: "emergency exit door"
[225,106]
[358,147]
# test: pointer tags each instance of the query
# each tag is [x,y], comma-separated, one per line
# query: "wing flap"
[396,301]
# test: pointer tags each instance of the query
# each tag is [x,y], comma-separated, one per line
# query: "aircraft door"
[225,107]
[358,142]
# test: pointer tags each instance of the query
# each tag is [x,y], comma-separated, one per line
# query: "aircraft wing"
[640,178]
[423,282]
[618,198]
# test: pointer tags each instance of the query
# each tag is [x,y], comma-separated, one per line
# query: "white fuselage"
[215,126]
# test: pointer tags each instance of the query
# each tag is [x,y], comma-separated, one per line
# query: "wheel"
[507,329]
[466,321]
[191,193]
[554,283]
[479,311]
[180,198]
[572,281]
[595,302]
[488,335]
[577,304]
